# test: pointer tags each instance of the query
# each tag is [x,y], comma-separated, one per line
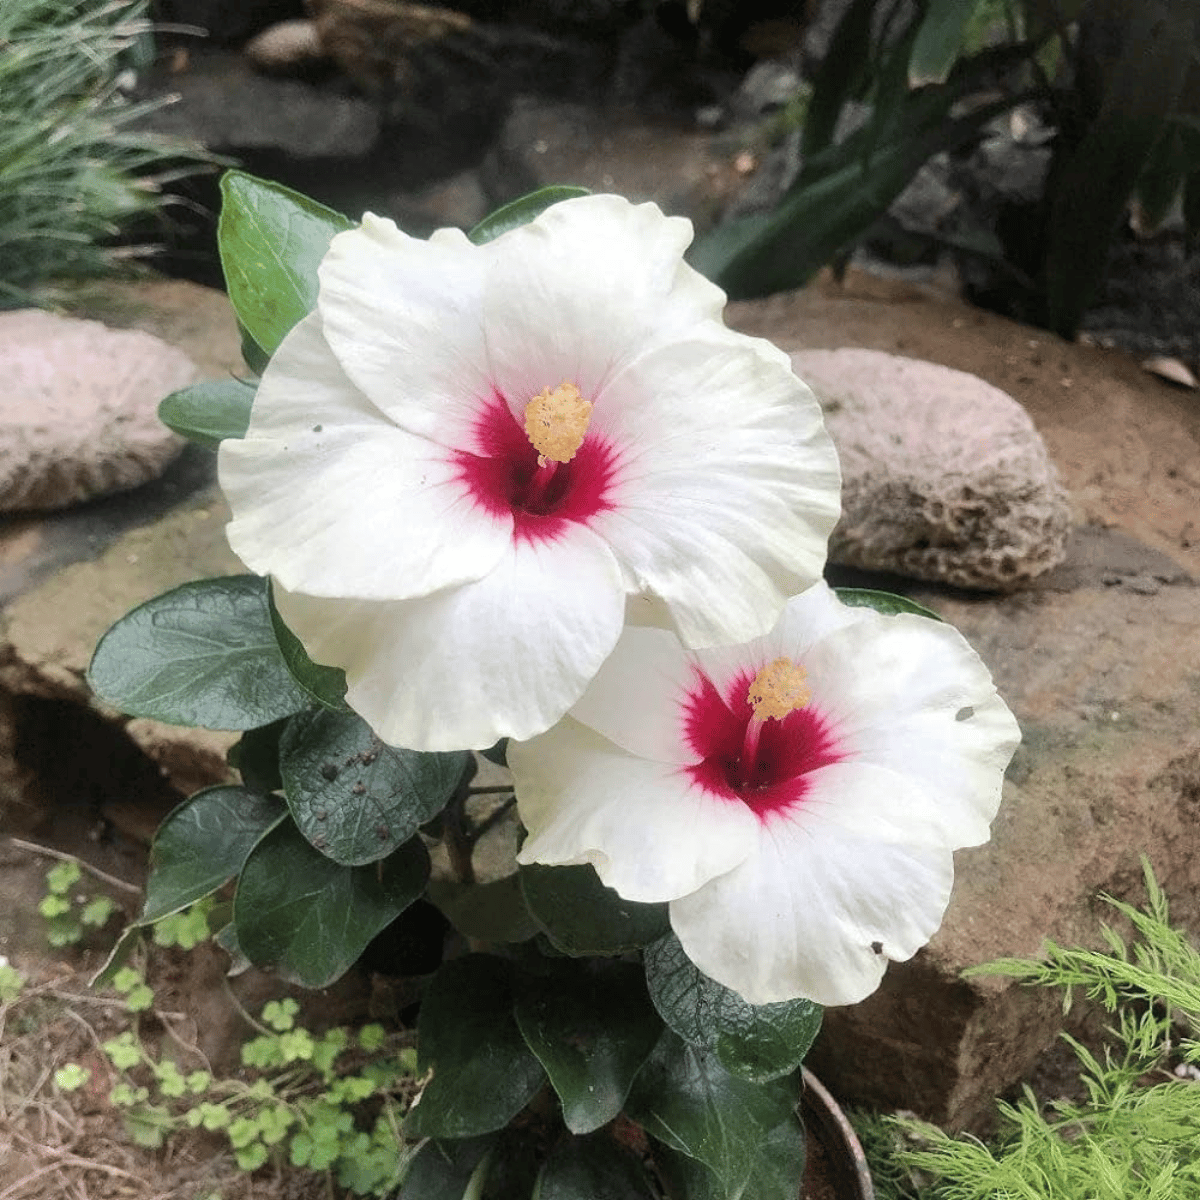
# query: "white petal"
[650,834]
[332,499]
[505,656]
[637,698]
[727,485]
[804,915]
[584,287]
[405,319]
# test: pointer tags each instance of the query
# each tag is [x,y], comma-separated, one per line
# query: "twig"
[63,856]
[240,1008]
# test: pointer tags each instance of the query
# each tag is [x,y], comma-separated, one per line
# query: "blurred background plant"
[74,171]
[1103,96]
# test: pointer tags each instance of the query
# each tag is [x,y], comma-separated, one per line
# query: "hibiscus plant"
[521,495]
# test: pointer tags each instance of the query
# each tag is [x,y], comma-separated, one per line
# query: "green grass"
[74,169]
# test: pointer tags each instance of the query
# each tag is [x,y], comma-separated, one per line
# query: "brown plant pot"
[835,1167]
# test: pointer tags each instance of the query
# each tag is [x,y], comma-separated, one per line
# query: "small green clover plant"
[69,916]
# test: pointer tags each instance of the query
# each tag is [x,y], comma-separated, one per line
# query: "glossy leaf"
[592,1026]
[521,211]
[203,843]
[324,685]
[581,916]
[885,602]
[593,1168]
[483,1072]
[442,1170]
[271,240]
[755,1042]
[353,797]
[939,40]
[310,917]
[209,412]
[685,1099]
[492,912]
[256,757]
[204,654]
[254,356]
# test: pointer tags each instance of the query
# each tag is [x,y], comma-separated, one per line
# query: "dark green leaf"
[776,1174]
[755,1042]
[442,1170]
[593,1168]
[939,40]
[884,602]
[521,211]
[491,912]
[271,241]
[202,843]
[209,412]
[325,685]
[204,654]
[844,75]
[581,916]
[255,357]
[256,757]
[690,1103]
[310,917]
[355,798]
[592,1027]
[498,753]
[483,1073]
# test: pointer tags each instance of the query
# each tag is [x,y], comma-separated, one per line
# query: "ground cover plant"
[1135,1135]
[74,169]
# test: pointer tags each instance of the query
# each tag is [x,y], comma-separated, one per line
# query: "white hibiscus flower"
[796,799]
[463,463]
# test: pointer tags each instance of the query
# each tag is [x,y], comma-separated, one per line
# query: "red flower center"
[504,475]
[764,764]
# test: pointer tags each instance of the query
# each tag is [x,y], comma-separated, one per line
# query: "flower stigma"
[778,689]
[556,422]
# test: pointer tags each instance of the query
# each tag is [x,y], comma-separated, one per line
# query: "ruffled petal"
[650,834]
[584,287]
[331,498]
[817,912]
[505,656]
[727,483]
[405,319]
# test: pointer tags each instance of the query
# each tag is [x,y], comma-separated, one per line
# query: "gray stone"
[944,476]
[78,414]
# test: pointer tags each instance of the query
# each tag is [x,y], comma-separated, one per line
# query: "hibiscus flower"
[795,799]
[468,459]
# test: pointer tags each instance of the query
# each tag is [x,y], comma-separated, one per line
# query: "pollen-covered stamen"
[556,422]
[778,689]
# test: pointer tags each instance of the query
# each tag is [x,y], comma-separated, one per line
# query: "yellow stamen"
[556,422]
[778,689]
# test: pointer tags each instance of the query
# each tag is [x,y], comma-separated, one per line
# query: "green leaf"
[492,912]
[844,75]
[325,685]
[209,412]
[310,917]
[483,1072]
[255,756]
[203,654]
[939,40]
[690,1103]
[521,211]
[592,1026]
[355,798]
[755,1042]
[271,241]
[255,357]
[593,1168]
[884,602]
[201,844]
[442,1170]
[581,916]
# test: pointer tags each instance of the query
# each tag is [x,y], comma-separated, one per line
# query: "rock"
[288,48]
[1097,660]
[78,414]
[944,476]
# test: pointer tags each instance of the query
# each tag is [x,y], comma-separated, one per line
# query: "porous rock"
[78,412]
[945,476]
